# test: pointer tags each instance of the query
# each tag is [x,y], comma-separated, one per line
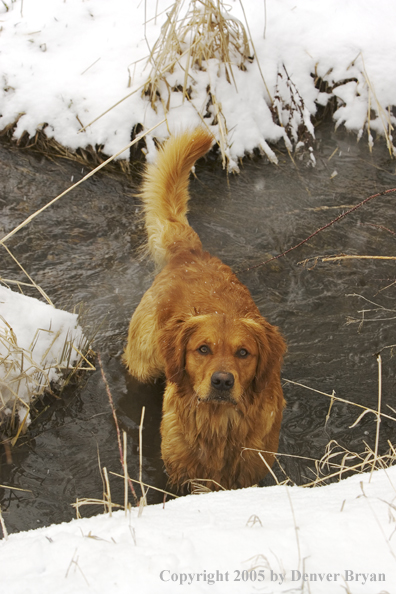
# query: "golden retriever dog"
[198,325]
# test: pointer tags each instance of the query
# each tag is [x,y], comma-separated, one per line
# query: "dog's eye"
[242,353]
[204,350]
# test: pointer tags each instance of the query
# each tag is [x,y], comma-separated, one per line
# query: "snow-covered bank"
[66,63]
[278,539]
[37,344]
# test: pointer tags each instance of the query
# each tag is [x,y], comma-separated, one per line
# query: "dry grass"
[196,35]
[199,485]
[206,34]
[106,501]
[25,379]
[289,111]
[88,157]
[340,257]
[3,526]
[338,462]
[383,114]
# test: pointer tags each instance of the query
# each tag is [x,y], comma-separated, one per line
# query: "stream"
[336,316]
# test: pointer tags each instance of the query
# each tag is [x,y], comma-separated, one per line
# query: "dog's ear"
[174,340]
[271,347]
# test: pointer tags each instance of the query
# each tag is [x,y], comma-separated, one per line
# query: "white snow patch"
[271,540]
[37,343]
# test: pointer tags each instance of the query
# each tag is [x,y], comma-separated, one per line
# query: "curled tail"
[165,195]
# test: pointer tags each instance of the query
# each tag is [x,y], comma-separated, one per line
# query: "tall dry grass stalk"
[379,361]
[383,114]
[143,499]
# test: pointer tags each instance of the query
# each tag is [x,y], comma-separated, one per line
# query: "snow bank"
[276,539]
[66,63]
[37,343]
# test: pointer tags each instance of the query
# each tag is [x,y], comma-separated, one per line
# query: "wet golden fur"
[199,325]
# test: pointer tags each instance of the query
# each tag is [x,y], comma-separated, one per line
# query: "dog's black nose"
[222,380]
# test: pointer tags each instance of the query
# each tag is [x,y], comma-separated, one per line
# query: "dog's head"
[221,358]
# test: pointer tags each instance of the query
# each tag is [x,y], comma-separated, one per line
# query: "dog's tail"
[165,195]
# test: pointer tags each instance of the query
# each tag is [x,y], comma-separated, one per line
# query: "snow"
[66,63]
[63,64]
[277,539]
[33,354]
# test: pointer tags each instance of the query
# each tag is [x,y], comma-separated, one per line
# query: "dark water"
[86,249]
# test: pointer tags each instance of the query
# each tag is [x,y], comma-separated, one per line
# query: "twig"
[197,486]
[124,435]
[341,216]
[75,562]
[269,468]
[39,289]
[377,520]
[13,488]
[347,257]
[92,501]
[265,19]
[143,500]
[280,454]
[107,493]
[379,361]
[122,459]
[387,126]
[93,64]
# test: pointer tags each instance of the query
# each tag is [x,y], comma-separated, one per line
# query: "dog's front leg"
[142,356]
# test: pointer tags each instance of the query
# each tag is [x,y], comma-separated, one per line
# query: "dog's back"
[165,195]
